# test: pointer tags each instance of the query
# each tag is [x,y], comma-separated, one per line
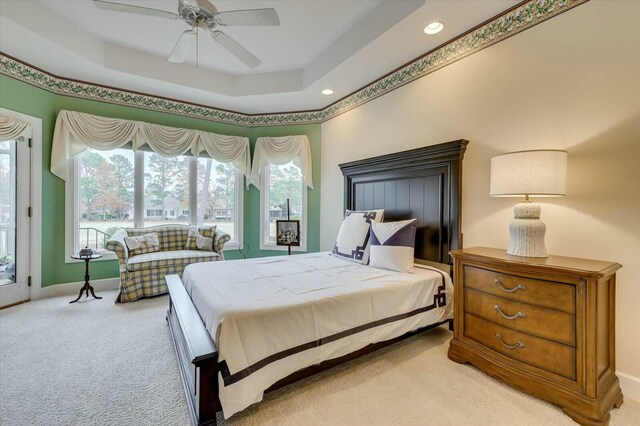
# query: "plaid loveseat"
[143,275]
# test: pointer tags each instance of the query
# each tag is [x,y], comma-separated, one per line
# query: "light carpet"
[97,363]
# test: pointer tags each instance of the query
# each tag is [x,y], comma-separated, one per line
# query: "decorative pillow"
[353,238]
[200,238]
[392,245]
[146,243]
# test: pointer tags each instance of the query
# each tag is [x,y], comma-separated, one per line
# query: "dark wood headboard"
[423,183]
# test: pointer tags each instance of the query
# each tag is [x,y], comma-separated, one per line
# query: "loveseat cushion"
[169,258]
[171,237]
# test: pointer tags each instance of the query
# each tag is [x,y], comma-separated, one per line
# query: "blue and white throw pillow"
[392,245]
[353,238]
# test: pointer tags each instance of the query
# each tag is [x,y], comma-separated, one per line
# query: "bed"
[273,321]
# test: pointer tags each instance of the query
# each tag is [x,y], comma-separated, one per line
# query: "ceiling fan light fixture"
[433,28]
[327,92]
[200,27]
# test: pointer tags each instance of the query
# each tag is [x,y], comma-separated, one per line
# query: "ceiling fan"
[201,16]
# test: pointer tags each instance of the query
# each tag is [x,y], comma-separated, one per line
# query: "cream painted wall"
[572,82]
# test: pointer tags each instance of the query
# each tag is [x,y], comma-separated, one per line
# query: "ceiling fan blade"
[138,10]
[190,4]
[236,49]
[183,47]
[248,17]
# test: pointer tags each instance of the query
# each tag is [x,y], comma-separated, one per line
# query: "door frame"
[20,230]
[35,228]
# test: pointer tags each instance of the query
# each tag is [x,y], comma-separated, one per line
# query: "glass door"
[14,221]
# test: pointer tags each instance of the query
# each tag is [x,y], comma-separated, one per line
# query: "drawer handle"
[518,345]
[509,290]
[505,316]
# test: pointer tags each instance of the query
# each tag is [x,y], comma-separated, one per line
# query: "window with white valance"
[280,151]
[12,129]
[75,132]
[122,173]
[282,170]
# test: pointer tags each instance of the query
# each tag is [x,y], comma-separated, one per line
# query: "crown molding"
[510,22]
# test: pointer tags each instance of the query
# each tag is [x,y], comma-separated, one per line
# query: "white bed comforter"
[271,317]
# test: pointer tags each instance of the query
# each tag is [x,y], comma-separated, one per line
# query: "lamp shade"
[541,173]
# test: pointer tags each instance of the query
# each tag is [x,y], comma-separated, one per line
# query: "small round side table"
[87,287]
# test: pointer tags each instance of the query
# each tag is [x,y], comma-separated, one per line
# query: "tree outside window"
[105,195]
[217,195]
[166,188]
[285,182]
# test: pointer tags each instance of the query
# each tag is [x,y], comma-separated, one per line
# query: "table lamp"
[537,173]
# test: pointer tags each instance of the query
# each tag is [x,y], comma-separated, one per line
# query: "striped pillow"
[206,234]
[392,245]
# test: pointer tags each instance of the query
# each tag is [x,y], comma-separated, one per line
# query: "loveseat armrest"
[117,244]
[219,239]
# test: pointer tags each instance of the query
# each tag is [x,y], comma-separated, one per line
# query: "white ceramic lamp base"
[527,232]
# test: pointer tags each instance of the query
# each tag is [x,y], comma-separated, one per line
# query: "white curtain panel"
[169,141]
[76,131]
[12,129]
[282,150]
[233,147]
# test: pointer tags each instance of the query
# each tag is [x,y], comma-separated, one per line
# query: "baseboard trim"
[69,289]
[630,386]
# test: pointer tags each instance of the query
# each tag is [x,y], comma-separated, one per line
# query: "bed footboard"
[196,352]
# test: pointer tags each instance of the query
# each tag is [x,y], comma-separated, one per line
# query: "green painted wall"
[21,97]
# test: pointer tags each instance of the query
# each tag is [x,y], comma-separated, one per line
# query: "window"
[278,184]
[108,190]
[166,189]
[8,222]
[217,195]
[104,195]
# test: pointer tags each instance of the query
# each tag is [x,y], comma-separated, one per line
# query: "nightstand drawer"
[531,319]
[542,353]
[546,294]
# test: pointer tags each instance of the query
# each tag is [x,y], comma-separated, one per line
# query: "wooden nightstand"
[546,326]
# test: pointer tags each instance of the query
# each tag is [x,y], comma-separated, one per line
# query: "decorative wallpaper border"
[499,28]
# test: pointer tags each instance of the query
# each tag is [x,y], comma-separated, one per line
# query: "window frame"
[265,244]
[72,217]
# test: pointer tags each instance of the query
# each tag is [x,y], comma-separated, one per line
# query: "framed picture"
[288,232]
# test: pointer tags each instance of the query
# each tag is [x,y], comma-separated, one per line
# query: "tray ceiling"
[337,44]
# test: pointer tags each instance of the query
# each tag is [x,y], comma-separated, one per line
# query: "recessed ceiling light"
[327,92]
[433,28]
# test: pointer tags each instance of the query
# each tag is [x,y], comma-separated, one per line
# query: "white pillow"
[146,243]
[202,242]
[392,245]
[353,238]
